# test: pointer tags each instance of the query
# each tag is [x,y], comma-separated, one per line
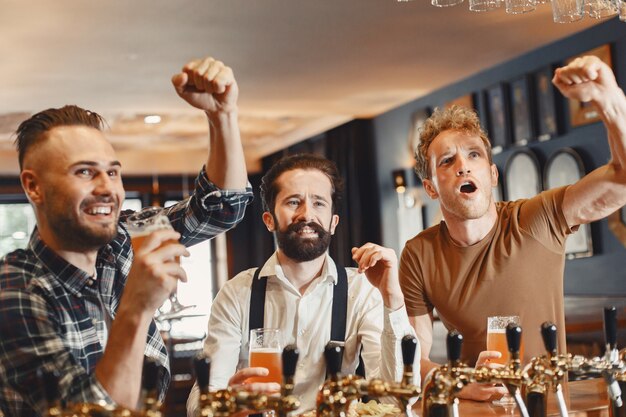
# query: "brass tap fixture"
[339,391]
[442,385]
[224,402]
[151,403]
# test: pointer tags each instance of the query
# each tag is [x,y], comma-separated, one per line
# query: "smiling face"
[73,180]
[303,216]
[461,175]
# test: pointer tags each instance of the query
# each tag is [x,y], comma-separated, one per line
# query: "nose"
[103,184]
[305,212]
[462,168]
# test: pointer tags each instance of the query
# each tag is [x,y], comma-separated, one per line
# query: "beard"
[74,235]
[299,248]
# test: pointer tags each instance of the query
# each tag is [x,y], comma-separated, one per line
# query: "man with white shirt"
[300,196]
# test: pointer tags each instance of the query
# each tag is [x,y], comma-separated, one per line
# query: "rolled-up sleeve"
[209,211]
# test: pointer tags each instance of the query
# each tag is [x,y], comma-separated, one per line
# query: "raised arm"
[602,191]
[209,85]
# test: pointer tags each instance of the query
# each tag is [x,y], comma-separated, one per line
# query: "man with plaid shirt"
[78,301]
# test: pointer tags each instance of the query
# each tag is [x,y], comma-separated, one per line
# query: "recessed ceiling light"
[19,235]
[152,119]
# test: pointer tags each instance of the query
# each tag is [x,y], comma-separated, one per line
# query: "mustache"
[104,199]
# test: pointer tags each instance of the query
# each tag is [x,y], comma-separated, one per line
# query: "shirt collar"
[272,268]
[66,274]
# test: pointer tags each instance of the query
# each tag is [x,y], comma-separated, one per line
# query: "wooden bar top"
[586,399]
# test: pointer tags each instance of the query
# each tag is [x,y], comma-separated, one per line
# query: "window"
[17,221]
[197,292]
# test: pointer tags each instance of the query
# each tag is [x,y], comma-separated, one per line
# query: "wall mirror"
[566,167]
[522,177]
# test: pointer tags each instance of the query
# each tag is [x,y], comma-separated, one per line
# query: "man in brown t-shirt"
[489,258]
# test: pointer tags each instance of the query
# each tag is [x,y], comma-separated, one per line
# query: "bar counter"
[586,399]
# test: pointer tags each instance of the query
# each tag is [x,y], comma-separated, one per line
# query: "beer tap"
[287,401]
[150,376]
[513,378]
[443,383]
[224,402]
[546,371]
[337,392]
[51,389]
[612,358]
[611,366]
[59,408]
[405,391]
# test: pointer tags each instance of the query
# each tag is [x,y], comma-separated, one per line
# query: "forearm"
[119,370]
[226,165]
[612,110]
[426,365]
[395,326]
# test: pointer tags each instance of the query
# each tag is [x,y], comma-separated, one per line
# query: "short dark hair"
[33,130]
[269,187]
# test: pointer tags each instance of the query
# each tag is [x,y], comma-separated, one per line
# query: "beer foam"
[265,350]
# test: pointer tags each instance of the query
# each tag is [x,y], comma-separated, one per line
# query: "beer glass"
[567,11]
[140,225]
[496,340]
[266,352]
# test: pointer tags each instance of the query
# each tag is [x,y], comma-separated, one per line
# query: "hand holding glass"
[140,225]
[266,351]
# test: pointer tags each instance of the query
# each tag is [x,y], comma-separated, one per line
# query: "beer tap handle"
[548,333]
[150,375]
[50,381]
[454,343]
[202,368]
[290,360]
[610,327]
[409,346]
[333,353]
[514,339]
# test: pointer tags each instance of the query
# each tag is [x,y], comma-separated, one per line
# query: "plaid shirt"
[51,313]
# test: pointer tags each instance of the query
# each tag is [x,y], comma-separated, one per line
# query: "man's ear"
[334,221]
[495,174]
[31,185]
[268,219]
[430,189]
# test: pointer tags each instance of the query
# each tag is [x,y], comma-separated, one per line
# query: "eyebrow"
[95,164]
[314,196]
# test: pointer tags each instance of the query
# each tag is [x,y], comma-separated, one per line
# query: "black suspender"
[340,304]
[340,307]
[338,320]
[257,301]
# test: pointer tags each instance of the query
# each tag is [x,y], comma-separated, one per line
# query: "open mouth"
[100,211]
[307,232]
[468,187]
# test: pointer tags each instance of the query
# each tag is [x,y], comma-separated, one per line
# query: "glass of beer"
[140,225]
[496,337]
[266,352]
[496,340]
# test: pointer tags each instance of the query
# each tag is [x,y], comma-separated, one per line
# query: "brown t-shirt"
[517,269]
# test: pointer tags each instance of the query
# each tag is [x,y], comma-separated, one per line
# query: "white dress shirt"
[304,320]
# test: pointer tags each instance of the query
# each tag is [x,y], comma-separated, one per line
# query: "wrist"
[393,300]
[224,115]
[132,315]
